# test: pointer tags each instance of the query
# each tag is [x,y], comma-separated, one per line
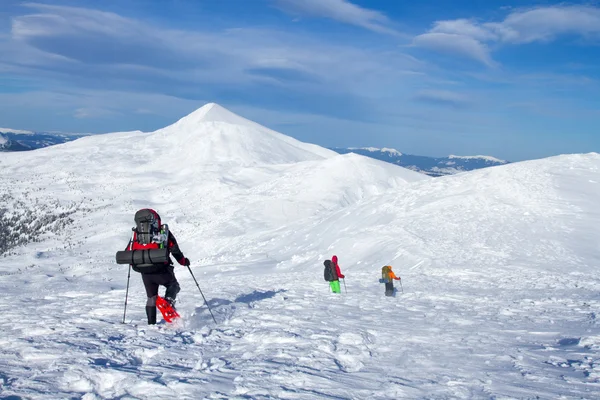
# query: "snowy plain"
[500,289]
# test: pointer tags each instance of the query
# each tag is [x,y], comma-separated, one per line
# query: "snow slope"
[499,271]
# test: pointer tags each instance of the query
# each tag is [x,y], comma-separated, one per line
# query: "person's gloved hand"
[342,276]
[184,261]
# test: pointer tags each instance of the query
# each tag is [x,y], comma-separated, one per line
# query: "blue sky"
[512,79]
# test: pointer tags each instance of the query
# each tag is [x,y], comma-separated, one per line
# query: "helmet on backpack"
[147,225]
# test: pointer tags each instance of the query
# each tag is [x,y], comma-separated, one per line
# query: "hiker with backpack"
[333,274]
[388,277]
[150,248]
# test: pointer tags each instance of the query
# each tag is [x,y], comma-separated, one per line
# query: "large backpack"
[149,248]
[149,230]
[385,274]
[328,272]
[151,237]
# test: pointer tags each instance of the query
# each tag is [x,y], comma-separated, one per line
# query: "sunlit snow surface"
[504,304]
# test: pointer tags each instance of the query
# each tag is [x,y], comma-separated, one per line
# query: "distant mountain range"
[20,140]
[432,166]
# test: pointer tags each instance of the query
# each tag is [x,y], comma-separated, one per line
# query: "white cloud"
[340,10]
[463,27]
[452,43]
[468,38]
[545,24]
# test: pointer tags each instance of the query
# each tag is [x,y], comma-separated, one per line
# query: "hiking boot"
[170,301]
[151,314]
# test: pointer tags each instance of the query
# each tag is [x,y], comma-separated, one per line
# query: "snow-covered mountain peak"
[211,113]
[214,135]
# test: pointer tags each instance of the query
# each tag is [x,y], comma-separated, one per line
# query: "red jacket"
[334,260]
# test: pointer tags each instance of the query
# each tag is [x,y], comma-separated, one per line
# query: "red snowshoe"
[166,309]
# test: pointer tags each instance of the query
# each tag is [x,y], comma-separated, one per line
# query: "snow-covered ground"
[499,270]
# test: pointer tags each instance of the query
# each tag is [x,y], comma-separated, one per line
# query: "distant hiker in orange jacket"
[388,277]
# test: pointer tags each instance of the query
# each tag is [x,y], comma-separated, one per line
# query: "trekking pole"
[401,286]
[126,293]
[205,302]
[345,288]
[129,247]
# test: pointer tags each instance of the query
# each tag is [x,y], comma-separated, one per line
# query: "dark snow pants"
[389,288]
[153,281]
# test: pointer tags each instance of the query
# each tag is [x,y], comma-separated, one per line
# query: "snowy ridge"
[428,165]
[9,145]
[375,149]
[26,140]
[391,151]
[17,131]
[498,270]
[485,158]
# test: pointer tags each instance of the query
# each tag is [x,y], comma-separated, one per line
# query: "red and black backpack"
[150,246]
[148,233]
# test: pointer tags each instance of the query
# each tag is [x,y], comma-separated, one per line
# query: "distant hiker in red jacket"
[150,234]
[335,284]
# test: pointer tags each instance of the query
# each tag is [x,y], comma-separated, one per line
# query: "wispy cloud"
[93,112]
[463,27]
[443,97]
[469,38]
[339,10]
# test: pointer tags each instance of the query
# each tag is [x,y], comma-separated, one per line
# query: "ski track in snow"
[499,274]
